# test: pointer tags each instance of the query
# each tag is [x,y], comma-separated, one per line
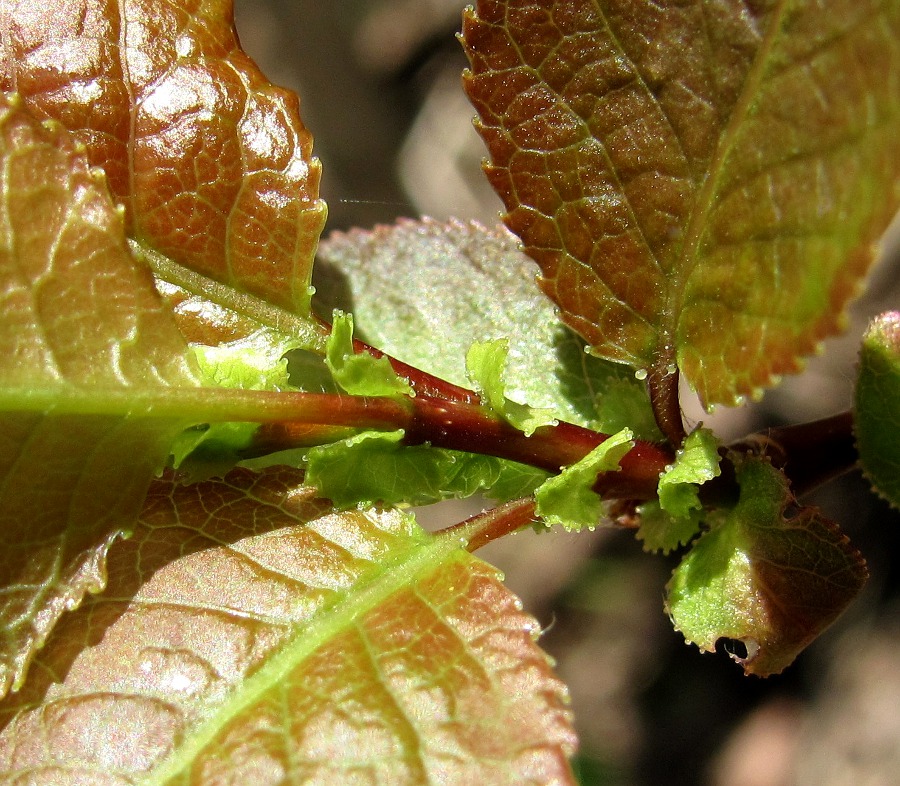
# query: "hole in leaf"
[738,649]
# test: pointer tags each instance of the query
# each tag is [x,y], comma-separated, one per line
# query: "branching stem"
[471,428]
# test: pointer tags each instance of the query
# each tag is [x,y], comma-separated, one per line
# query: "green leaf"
[700,183]
[375,467]
[424,291]
[661,531]
[486,364]
[250,634]
[773,583]
[877,406]
[252,362]
[696,462]
[80,320]
[360,374]
[568,498]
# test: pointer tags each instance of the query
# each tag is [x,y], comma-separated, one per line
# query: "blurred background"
[379,82]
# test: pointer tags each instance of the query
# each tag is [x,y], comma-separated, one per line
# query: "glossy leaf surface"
[249,635]
[772,582]
[876,411]
[80,319]
[211,161]
[699,182]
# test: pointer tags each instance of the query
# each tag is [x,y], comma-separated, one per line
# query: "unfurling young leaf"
[700,183]
[568,499]
[773,583]
[696,462]
[876,407]
[673,519]
[486,366]
[376,468]
[360,374]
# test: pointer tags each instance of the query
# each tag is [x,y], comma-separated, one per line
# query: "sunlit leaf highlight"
[82,319]
[249,634]
[211,161]
[425,291]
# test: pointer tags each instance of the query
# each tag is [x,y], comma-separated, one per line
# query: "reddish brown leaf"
[211,161]
[773,582]
[249,636]
[80,320]
[699,181]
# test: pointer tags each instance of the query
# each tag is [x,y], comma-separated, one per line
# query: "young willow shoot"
[210,573]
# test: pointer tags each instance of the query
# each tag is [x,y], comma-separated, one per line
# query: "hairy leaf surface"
[876,410]
[424,291]
[775,583]
[211,161]
[80,319]
[248,635]
[699,181]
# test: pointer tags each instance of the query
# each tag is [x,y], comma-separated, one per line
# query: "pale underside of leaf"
[424,291]
[247,631]
[211,161]
[700,182]
[79,315]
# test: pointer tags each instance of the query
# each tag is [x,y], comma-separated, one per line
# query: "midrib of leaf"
[392,576]
[306,330]
[696,226]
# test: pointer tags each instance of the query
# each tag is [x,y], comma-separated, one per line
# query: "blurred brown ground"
[379,87]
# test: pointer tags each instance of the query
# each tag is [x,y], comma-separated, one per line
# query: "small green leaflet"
[675,518]
[255,362]
[876,408]
[568,499]
[661,531]
[697,462]
[486,366]
[375,467]
[360,374]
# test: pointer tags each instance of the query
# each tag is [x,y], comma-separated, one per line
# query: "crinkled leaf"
[360,374]
[877,406]
[80,319]
[375,467]
[659,530]
[486,366]
[424,291]
[568,498]
[249,635]
[700,182]
[772,582]
[211,162]
[696,462]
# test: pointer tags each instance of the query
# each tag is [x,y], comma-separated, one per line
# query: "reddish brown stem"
[421,381]
[662,384]
[471,428]
[493,524]
[813,453]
